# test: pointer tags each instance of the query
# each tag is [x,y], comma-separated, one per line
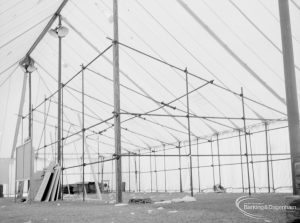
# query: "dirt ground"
[207,208]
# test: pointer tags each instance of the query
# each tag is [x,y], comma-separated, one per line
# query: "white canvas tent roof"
[234,43]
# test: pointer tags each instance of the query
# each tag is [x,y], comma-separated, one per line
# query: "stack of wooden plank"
[49,189]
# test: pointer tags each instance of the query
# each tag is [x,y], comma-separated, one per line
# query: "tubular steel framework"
[188,149]
[160,150]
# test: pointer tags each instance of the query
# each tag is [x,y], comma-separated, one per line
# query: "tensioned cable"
[108,60]
[78,132]
[200,117]
[73,133]
[29,11]
[126,129]
[242,41]
[275,17]
[50,100]
[122,72]
[195,75]
[194,167]
[90,109]
[213,74]
[109,124]
[68,131]
[149,13]
[162,105]
[97,118]
[164,87]
[5,113]
[165,104]
[176,99]
[9,67]
[220,139]
[11,7]
[9,76]
[38,90]
[134,91]
[46,86]
[225,164]
[26,31]
[79,72]
[258,29]
[229,50]
[202,155]
[21,25]
[155,52]
[295,4]
[44,127]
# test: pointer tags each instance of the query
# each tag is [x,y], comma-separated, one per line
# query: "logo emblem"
[245,204]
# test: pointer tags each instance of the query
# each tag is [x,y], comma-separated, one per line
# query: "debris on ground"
[150,211]
[160,208]
[172,211]
[140,201]
[218,188]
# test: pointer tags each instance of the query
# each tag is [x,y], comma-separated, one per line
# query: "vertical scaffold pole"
[83,131]
[272,172]
[135,174]
[112,175]
[252,163]
[59,98]
[30,135]
[117,119]
[212,161]
[179,159]
[198,166]
[165,172]
[29,106]
[241,156]
[290,89]
[45,123]
[151,189]
[62,142]
[139,171]
[219,162]
[102,171]
[246,146]
[98,165]
[189,130]
[267,151]
[30,194]
[128,172]
[55,148]
[155,171]
[271,161]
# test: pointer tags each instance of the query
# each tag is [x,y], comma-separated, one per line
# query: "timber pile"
[49,189]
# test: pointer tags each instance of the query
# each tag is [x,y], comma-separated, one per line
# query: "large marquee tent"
[218,61]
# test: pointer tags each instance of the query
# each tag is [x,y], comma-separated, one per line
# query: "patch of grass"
[208,208]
